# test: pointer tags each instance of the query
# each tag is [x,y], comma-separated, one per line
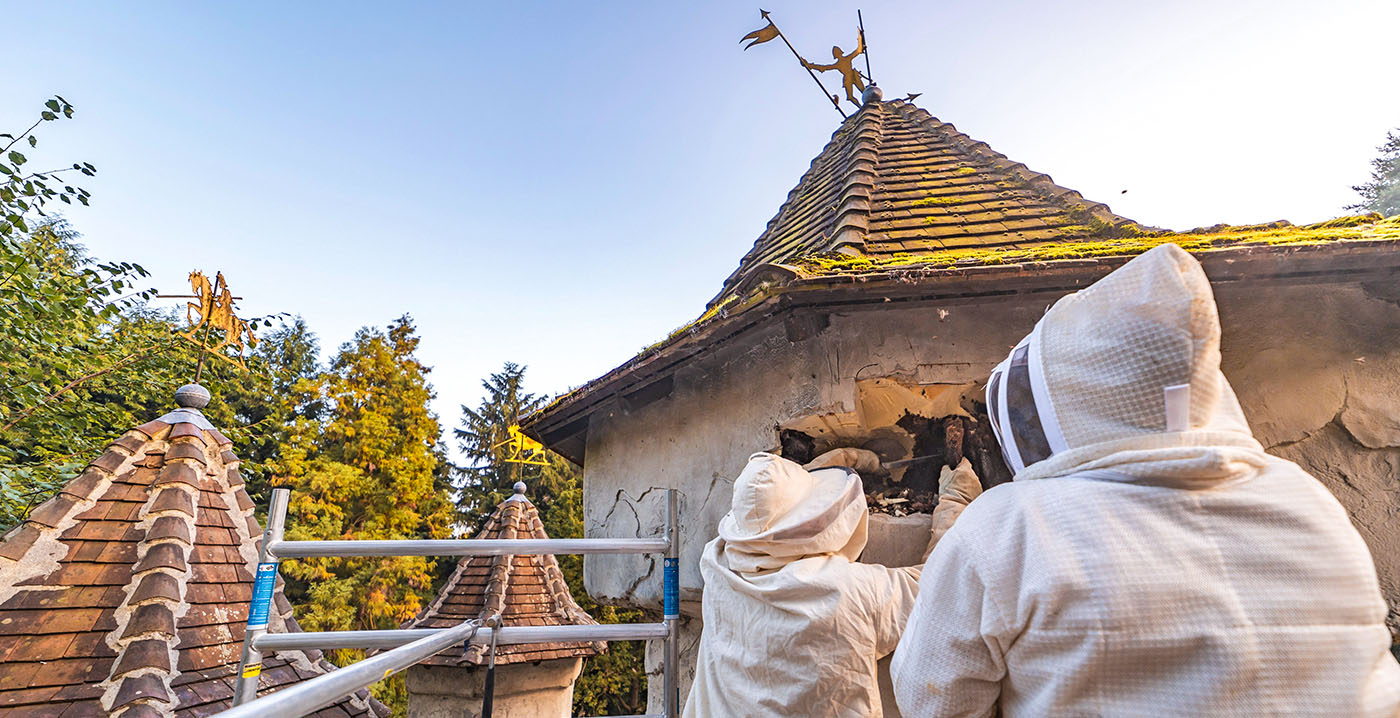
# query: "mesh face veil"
[1019,407]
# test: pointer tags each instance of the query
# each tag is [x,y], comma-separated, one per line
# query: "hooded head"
[1123,376]
[780,512]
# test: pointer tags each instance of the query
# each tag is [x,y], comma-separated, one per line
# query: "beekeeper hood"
[1123,379]
[781,512]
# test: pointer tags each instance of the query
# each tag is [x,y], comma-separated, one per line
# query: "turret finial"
[192,396]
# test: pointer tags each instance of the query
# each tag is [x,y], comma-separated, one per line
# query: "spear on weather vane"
[770,31]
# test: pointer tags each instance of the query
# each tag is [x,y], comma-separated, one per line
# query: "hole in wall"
[937,425]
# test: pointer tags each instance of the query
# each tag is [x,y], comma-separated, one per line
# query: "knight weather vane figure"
[851,79]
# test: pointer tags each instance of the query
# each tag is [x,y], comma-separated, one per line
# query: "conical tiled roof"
[895,179]
[126,594]
[526,590]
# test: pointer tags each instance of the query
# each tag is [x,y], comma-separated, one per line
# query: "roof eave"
[563,423]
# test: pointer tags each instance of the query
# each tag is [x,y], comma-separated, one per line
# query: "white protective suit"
[1149,559]
[793,625]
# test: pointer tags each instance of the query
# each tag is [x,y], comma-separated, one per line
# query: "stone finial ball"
[871,94]
[520,487]
[192,396]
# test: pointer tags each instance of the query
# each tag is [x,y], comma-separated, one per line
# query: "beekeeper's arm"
[950,661]
[889,592]
[956,489]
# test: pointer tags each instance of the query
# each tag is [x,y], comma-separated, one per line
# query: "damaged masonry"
[900,270]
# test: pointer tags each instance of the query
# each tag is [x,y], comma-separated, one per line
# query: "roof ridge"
[145,633]
[821,163]
[853,203]
[498,579]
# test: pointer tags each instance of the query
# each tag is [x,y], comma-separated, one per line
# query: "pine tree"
[612,683]
[1382,193]
[488,478]
[367,470]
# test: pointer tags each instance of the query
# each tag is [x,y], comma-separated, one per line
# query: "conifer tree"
[612,683]
[367,470]
[1382,193]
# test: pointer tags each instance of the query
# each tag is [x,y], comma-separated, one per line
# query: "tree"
[264,403]
[366,470]
[1382,193]
[82,359]
[612,683]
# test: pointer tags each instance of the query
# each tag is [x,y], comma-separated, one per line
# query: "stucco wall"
[1316,368]
[522,690]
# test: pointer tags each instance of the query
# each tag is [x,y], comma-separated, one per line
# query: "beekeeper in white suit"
[793,625]
[1149,559]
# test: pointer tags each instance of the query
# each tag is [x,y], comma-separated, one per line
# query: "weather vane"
[214,310]
[852,79]
[523,449]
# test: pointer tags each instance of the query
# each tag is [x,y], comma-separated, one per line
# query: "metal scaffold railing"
[410,646]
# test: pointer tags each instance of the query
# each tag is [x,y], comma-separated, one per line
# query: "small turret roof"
[526,590]
[127,593]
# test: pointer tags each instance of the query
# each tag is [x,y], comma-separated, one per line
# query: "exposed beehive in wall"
[933,425]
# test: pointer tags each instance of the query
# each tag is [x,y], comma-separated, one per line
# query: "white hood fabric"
[1149,559]
[793,625]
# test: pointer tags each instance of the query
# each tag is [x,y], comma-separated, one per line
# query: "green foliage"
[615,682]
[82,359]
[25,193]
[1382,193]
[363,462]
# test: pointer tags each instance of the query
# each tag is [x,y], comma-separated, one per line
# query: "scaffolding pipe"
[410,646]
[671,608]
[510,635]
[328,688]
[260,610]
[467,547]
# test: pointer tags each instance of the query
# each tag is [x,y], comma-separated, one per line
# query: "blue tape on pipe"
[262,595]
[671,585]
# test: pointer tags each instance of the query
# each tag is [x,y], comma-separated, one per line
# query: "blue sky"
[561,184]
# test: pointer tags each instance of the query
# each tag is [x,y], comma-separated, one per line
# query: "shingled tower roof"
[894,179]
[127,593]
[526,590]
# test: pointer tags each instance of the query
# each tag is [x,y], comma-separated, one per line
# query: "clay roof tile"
[162,555]
[134,688]
[178,473]
[156,585]
[150,618]
[110,460]
[168,527]
[185,450]
[146,653]
[172,500]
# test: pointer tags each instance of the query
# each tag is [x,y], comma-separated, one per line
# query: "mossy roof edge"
[1282,235]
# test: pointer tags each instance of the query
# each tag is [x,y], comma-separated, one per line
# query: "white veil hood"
[1124,377]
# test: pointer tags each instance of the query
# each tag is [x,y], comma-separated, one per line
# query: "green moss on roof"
[935,201]
[1100,239]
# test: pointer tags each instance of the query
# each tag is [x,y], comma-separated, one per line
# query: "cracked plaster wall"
[1317,369]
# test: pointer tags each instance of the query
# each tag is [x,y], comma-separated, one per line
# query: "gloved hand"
[956,489]
[862,460]
[959,484]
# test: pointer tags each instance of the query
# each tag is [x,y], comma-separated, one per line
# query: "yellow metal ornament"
[522,449]
[213,309]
